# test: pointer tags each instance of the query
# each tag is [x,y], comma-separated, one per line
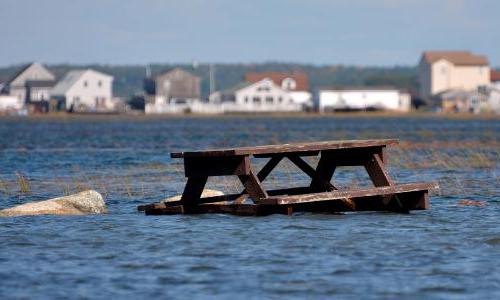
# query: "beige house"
[440,71]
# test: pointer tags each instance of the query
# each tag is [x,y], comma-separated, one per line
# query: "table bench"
[320,195]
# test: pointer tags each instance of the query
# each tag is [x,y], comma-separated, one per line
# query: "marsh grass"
[23,183]
[453,163]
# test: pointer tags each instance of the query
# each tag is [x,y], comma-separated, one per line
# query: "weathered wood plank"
[253,187]
[377,172]
[324,172]
[415,200]
[287,148]
[193,190]
[350,194]
[216,166]
[226,198]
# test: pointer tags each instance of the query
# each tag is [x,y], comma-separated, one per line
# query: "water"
[450,251]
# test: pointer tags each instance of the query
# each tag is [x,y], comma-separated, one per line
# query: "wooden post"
[253,187]
[324,173]
[192,193]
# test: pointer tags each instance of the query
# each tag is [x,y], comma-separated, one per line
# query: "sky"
[321,32]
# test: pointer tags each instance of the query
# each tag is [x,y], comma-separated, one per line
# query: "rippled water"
[450,251]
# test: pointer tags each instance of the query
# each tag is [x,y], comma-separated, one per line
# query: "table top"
[287,148]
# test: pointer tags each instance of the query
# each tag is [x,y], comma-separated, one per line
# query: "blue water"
[451,251]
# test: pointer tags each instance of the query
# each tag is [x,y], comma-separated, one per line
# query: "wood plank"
[193,190]
[324,171]
[253,187]
[350,194]
[226,198]
[414,200]
[287,148]
[377,172]
[216,166]
[262,175]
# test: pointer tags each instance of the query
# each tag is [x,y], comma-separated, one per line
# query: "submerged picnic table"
[319,196]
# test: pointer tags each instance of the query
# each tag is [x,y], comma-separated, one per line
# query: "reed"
[24,185]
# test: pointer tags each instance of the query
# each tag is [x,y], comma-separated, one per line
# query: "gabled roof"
[278,77]
[171,70]
[70,79]
[24,69]
[459,58]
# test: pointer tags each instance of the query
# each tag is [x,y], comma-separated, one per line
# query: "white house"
[439,71]
[260,96]
[363,99]
[295,83]
[85,91]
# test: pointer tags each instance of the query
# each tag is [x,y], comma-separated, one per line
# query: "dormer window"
[85,83]
[289,84]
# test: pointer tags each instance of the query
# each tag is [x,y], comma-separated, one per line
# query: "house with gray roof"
[85,91]
[31,84]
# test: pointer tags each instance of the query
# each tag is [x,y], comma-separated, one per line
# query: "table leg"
[377,172]
[192,192]
[253,186]
[320,183]
[324,173]
[262,175]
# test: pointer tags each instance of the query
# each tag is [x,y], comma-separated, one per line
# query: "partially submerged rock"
[86,202]
[206,193]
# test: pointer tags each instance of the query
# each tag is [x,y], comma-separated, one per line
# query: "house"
[363,98]
[261,96]
[463,101]
[85,91]
[439,71]
[32,84]
[171,91]
[295,83]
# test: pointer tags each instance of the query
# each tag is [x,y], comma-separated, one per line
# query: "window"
[99,83]
[256,99]
[280,99]
[246,99]
[85,83]
[269,99]
[443,70]
[289,84]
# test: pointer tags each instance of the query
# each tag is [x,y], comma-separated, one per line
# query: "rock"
[206,193]
[86,202]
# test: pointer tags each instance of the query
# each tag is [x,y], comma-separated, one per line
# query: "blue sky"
[357,32]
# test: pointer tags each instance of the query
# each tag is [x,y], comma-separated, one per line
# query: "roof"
[22,70]
[277,77]
[360,88]
[459,58]
[171,70]
[236,87]
[494,75]
[70,79]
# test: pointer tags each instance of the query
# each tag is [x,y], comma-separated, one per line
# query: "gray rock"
[206,193]
[86,202]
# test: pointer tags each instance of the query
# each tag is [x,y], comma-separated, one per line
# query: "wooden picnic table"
[320,195]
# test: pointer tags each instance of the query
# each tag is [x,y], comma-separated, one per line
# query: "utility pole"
[211,70]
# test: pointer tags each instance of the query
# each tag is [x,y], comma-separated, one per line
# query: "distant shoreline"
[141,116]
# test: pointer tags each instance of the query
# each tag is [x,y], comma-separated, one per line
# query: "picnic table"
[321,195]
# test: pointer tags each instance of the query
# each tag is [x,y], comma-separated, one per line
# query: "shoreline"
[306,115]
